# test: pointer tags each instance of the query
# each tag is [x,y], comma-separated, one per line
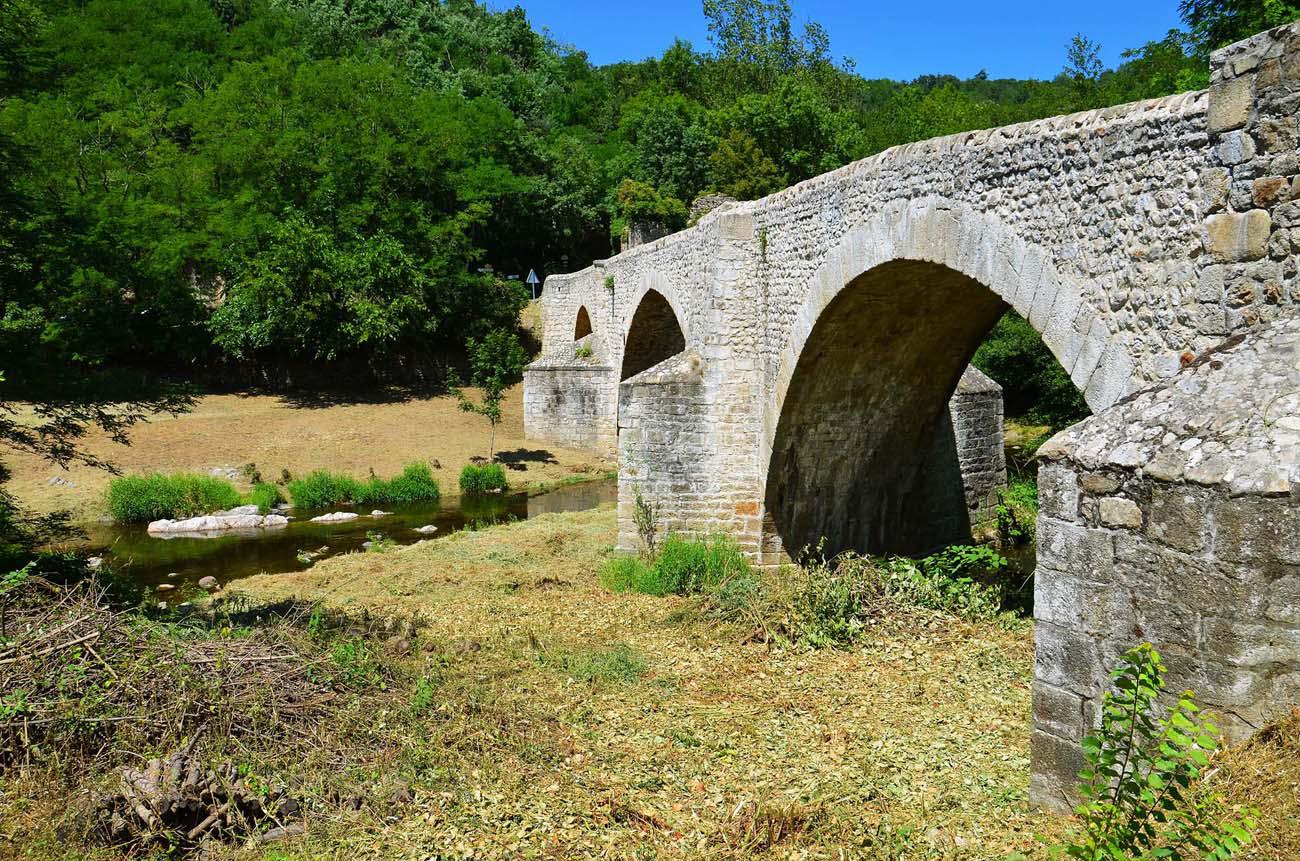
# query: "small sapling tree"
[496,363]
[1147,790]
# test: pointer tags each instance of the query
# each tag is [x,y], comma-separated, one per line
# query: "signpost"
[533,281]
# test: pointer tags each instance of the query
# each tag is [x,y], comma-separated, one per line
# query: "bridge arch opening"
[864,457]
[582,328]
[655,334]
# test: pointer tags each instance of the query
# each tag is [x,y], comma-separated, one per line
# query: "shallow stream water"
[183,561]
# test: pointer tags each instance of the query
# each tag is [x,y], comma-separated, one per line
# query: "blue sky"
[1009,38]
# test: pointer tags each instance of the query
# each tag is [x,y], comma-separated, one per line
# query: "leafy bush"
[1146,786]
[1018,511]
[265,496]
[684,566]
[482,479]
[323,489]
[956,580]
[1033,382]
[142,498]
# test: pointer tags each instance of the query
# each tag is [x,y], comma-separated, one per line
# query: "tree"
[1083,68]
[1215,23]
[496,363]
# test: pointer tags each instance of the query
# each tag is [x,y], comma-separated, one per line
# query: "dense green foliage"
[482,479]
[1148,786]
[302,181]
[142,498]
[325,489]
[1034,385]
[683,566]
[265,496]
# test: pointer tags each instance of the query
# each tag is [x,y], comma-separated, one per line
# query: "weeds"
[645,515]
[684,566]
[618,664]
[324,489]
[1018,511]
[483,479]
[142,498]
[265,496]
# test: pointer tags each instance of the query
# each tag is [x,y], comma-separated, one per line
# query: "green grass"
[142,498]
[265,496]
[684,566]
[323,489]
[482,479]
[617,664]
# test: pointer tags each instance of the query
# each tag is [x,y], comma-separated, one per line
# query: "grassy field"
[275,434]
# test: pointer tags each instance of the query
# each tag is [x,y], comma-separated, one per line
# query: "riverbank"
[275,434]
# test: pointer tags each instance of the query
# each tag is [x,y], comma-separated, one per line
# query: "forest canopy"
[190,184]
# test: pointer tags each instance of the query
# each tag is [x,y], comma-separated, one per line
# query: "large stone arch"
[889,323]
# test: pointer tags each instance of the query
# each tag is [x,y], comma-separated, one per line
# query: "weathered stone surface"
[1234,237]
[1119,512]
[1230,104]
[336,517]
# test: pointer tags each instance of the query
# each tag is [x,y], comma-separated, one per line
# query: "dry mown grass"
[539,715]
[276,433]
[913,745]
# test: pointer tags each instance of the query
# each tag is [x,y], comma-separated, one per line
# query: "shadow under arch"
[863,456]
[655,334]
[582,328]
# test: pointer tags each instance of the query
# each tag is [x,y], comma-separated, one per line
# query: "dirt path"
[277,434]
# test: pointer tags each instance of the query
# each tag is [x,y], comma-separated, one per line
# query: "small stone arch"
[582,327]
[654,333]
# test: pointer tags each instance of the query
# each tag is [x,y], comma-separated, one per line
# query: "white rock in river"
[215,523]
[336,517]
[378,513]
[426,530]
[239,510]
[209,582]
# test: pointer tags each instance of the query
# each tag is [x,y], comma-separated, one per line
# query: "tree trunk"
[492,442]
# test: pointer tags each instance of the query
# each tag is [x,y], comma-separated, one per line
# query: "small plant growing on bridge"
[583,352]
[496,363]
[1146,788]
[645,515]
[609,283]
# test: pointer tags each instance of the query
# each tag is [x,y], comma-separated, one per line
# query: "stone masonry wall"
[977,422]
[567,400]
[1173,519]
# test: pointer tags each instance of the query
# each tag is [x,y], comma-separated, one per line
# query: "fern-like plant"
[1147,786]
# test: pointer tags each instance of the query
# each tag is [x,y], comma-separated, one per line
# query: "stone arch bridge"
[793,370]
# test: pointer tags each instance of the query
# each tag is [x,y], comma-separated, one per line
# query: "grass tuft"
[684,566]
[265,496]
[142,498]
[482,479]
[618,664]
[324,489]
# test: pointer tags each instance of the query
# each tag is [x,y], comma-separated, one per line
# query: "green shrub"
[264,496]
[142,498]
[1145,787]
[1018,511]
[687,566]
[684,566]
[415,484]
[482,479]
[324,489]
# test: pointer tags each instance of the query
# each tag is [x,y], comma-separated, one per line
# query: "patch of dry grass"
[914,745]
[1265,773]
[278,434]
